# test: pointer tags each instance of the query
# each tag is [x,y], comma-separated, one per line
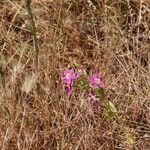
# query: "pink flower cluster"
[95,82]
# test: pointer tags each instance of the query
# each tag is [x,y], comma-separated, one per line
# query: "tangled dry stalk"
[114,36]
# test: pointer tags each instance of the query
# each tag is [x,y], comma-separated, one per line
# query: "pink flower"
[93,101]
[97,81]
[69,90]
[69,76]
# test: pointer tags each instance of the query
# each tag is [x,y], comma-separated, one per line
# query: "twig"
[2,78]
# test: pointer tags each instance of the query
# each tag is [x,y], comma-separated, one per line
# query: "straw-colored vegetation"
[111,35]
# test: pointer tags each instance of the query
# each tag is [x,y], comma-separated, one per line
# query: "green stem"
[33,30]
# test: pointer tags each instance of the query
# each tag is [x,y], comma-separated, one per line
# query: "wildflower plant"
[93,85]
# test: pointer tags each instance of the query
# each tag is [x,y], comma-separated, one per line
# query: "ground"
[109,35]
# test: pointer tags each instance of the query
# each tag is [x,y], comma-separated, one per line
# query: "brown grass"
[111,35]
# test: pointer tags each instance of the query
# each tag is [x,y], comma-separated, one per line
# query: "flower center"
[68,75]
[97,80]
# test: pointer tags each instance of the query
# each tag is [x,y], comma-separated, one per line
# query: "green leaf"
[101,93]
[112,110]
[130,139]
[112,107]
[81,84]
[84,83]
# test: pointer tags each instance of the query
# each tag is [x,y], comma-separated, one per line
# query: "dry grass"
[111,35]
